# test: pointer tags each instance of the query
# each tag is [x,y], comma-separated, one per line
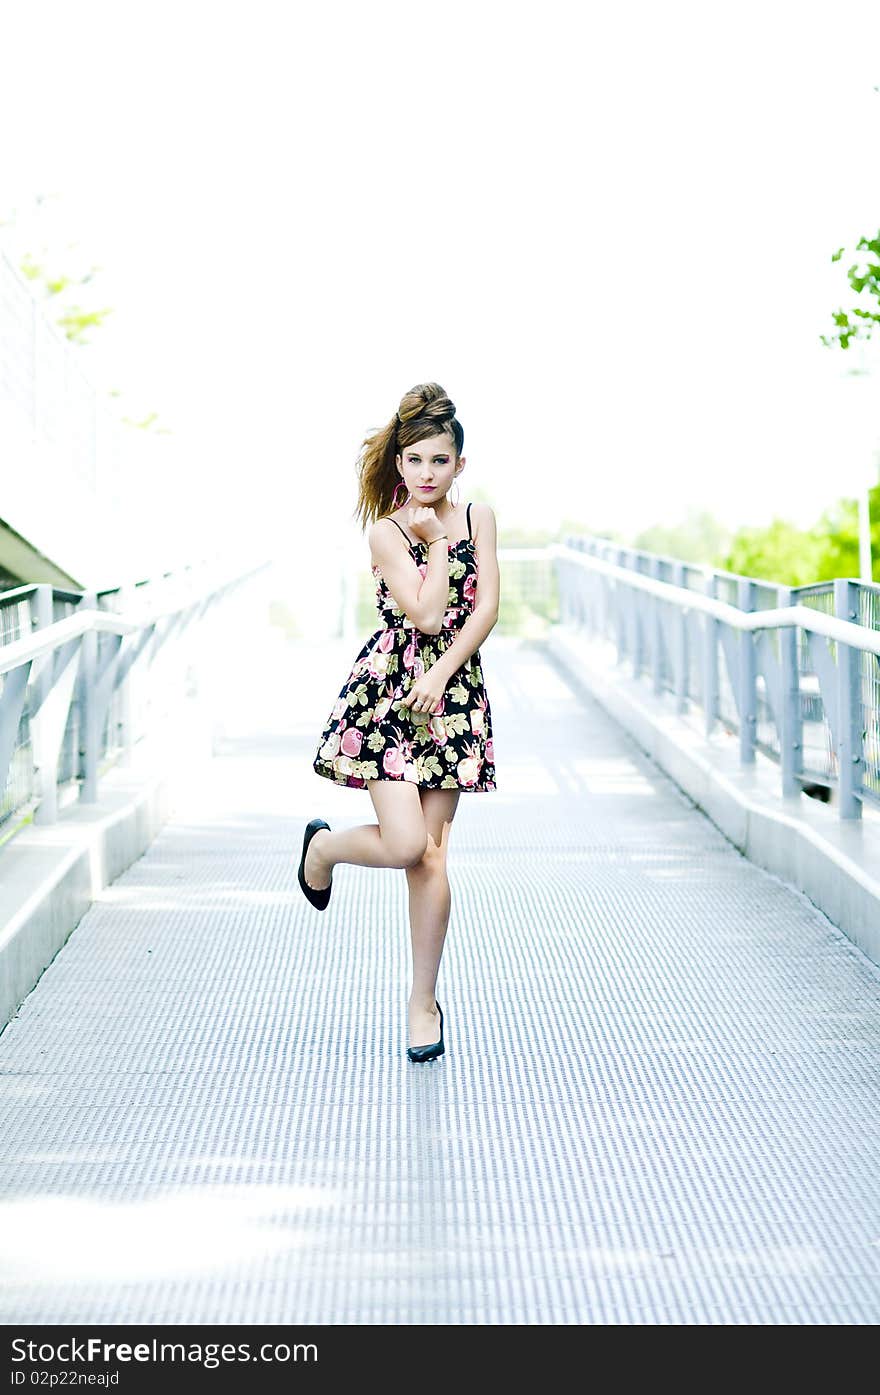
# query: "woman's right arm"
[422,599]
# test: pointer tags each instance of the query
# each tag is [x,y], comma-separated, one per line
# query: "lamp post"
[861,370]
[865,568]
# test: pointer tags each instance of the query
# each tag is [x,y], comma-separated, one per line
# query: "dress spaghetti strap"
[409,540]
[397,525]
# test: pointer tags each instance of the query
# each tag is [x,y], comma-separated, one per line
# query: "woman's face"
[430,463]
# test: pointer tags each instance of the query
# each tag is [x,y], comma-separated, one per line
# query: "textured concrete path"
[659,1102]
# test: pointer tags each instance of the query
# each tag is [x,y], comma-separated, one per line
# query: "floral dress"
[370,735]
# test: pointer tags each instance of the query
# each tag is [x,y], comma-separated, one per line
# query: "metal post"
[12,699]
[791,718]
[681,657]
[655,569]
[620,609]
[850,758]
[600,603]
[606,618]
[584,582]
[125,736]
[634,599]
[748,685]
[89,733]
[710,660]
[46,781]
[865,563]
[568,573]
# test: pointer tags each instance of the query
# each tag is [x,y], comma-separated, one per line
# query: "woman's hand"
[426,692]
[424,522]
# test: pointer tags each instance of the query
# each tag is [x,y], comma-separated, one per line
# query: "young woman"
[412,723]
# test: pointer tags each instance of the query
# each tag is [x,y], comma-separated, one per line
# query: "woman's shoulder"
[386,526]
[482,520]
[382,534]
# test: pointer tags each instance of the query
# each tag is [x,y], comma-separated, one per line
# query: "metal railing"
[86,675]
[793,670]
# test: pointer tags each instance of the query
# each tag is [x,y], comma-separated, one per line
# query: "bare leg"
[398,840]
[430,901]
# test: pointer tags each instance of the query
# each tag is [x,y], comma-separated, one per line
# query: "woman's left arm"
[484,616]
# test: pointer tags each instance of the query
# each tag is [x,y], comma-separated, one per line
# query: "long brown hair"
[424,411]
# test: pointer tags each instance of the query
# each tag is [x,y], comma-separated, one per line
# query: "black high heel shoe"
[318,898]
[433,1048]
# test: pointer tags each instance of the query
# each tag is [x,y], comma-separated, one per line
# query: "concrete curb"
[835,863]
[50,875]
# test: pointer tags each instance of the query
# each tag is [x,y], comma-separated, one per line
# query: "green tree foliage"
[838,531]
[841,542]
[74,320]
[792,556]
[699,539]
[779,552]
[63,292]
[860,321]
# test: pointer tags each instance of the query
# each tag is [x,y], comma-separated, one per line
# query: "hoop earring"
[394,502]
[457,496]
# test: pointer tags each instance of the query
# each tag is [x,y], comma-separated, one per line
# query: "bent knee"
[433,859]
[407,851]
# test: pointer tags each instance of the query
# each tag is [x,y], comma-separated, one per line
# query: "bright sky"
[605,229]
